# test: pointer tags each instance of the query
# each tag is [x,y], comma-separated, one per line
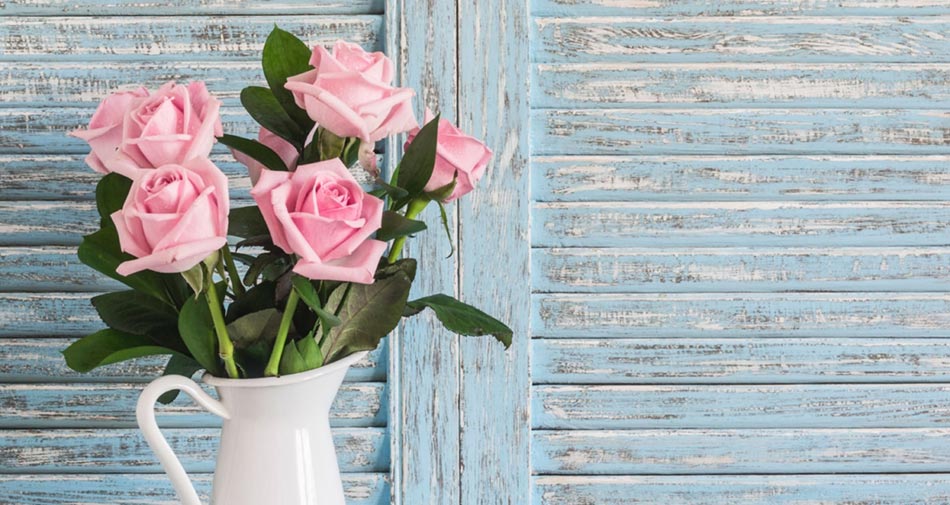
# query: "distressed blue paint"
[188,7]
[706,8]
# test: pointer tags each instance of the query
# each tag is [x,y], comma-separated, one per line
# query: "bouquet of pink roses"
[327,279]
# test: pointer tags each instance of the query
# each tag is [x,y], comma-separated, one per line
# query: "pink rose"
[321,214]
[285,150]
[174,217]
[136,130]
[350,93]
[458,153]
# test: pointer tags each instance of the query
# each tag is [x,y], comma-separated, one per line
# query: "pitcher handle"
[145,415]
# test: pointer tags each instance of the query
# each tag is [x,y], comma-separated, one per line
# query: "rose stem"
[236,283]
[415,207]
[225,347]
[274,362]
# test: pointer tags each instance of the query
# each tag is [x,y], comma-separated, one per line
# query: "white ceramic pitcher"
[276,446]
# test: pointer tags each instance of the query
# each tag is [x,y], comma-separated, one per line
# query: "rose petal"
[358,267]
[263,194]
[177,259]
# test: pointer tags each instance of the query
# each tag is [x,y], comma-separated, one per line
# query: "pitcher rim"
[285,380]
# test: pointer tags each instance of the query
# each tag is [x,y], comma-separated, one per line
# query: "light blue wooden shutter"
[71,438]
[740,263]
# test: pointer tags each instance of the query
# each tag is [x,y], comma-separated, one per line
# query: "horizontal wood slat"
[741,315]
[905,489]
[742,224]
[603,270]
[741,406]
[49,268]
[39,360]
[187,7]
[741,85]
[730,178]
[661,8]
[47,315]
[739,131]
[168,38]
[691,452]
[67,177]
[739,361]
[741,38]
[125,450]
[96,405]
[137,489]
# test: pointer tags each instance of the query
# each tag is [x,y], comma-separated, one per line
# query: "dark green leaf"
[304,288]
[445,226]
[462,318]
[100,251]
[369,312]
[415,169]
[247,222]
[109,346]
[178,364]
[285,56]
[197,330]
[311,153]
[254,299]
[111,192]
[263,106]
[250,328]
[397,225]
[389,190]
[331,146]
[405,265]
[259,152]
[138,314]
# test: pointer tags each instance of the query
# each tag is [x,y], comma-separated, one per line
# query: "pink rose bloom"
[458,153]
[285,150]
[136,130]
[321,214]
[174,217]
[350,93]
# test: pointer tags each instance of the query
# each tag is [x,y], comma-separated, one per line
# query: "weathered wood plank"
[585,270]
[187,7]
[125,450]
[39,360]
[742,315]
[740,131]
[739,361]
[739,38]
[425,416]
[92,405]
[44,130]
[47,314]
[729,178]
[494,72]
[906,489]
[133,37]
[673,8]
[807,85]
[67,177]
[738,224]
[692,452]
[137,489]
[741,406]
[50,268]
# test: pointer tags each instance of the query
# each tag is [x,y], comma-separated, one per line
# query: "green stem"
[225,347]
[236,283]
[273,363]
[416,206]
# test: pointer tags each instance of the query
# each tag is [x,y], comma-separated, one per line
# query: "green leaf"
[300,356]
[330,145]
[405,265]
[259,152]
[178,364]
[263,106]
[195,277]
[111,192]
[310,352]
[285,56]
[397,225]
[440,194]
[351,151]
[250,328]
[101,252]
[290,360]
[304,288]
[462,318]
[384,189]
[445,226]
[133,312]
[369,312]
[259,297]
[197,330]
[109,346]
[311,153]
[247,222]
[416,166]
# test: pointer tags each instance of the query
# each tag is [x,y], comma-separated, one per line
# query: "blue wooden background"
[722,224]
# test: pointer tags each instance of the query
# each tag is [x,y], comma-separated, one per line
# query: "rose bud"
[174,217]
[457,155]
[321,214]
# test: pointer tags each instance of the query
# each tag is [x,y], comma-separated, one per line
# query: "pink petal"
[178,259]
[358,267]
